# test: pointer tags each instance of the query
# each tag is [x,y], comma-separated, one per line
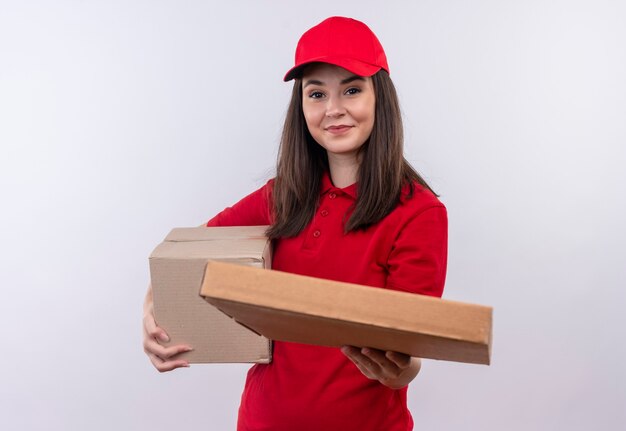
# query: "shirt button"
[332,195]
[324,213]
[317,233]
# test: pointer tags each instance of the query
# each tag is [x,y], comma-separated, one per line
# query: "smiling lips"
[338,130]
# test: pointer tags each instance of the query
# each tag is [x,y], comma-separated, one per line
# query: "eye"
[316,94]
[353,90]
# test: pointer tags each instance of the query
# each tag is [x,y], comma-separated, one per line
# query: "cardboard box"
[309,310]
[177,267]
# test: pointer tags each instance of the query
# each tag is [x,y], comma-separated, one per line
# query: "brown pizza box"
[309,310]
[177,267]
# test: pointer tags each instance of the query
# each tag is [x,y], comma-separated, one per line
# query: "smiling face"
[339,108]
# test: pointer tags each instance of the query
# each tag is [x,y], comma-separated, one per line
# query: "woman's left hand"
[392,369]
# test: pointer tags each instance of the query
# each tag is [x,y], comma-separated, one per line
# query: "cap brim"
[355,66]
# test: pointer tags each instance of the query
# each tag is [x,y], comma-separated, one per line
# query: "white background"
[122,119]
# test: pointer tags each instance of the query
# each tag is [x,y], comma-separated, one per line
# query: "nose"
[335,107]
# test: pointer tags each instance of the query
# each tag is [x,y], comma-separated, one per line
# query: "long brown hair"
[382,173]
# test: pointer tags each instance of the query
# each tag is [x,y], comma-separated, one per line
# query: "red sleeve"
[253,210]
[418,259]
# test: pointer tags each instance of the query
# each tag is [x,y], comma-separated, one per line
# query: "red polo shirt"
[318,388]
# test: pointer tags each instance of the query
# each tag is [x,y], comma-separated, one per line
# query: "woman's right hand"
[161,357]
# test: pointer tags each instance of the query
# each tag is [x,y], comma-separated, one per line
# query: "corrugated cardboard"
[309,310]
[177,267]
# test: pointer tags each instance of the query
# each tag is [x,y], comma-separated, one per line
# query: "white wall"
[122,119]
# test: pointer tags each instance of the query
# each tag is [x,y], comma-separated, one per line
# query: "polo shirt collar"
[327,186]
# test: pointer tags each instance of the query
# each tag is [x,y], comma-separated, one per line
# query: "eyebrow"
[343,82]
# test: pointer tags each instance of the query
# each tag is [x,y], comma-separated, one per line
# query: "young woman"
[345,205]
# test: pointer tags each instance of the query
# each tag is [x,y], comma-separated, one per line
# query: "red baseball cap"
[341,41]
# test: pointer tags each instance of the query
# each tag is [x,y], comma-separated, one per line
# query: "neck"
[343,169]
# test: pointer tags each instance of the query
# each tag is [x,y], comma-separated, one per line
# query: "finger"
[153,329]
[368,367]
[400,359]
[150,346]
[366,371]
[350,351]
[163,366]
[376,355]
[386,368]
[354,353]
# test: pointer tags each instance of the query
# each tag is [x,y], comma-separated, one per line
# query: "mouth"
[336,130]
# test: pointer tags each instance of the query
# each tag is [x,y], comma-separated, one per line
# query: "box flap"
[252,249]
[216,233]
